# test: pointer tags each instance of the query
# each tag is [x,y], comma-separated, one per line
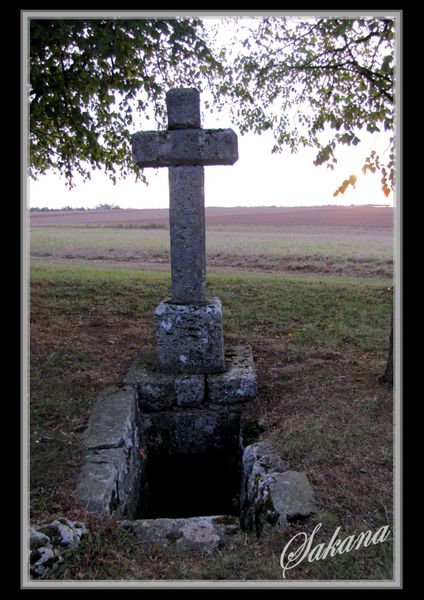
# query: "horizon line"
[238,206]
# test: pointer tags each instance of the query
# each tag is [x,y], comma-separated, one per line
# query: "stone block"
[238,383]
[190,337]
[228,409]
[158,391]
[109,481]
[189,390]
[183,106]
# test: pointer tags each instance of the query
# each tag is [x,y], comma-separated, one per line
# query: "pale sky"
[259,178]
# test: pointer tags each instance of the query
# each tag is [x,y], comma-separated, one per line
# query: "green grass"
[319,344]
[322,310]
[326,311]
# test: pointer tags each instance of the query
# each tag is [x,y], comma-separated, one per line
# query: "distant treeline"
[70,208]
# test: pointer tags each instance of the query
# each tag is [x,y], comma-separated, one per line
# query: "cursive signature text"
[293,554]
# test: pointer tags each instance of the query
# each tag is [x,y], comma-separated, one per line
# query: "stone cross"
[185,149]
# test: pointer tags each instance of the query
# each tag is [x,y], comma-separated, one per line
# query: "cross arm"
[184,147]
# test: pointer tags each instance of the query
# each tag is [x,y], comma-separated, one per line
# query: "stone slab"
[108,483]
[190,337]
[185,147]
[203,534]
[96,488]
[238,383]
[183,107]
[187,232]
[112,420]
[291,495]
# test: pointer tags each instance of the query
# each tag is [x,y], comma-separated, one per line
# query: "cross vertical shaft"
[187,228]
[186,207]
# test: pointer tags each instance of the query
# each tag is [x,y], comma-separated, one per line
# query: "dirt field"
[342,216]
[349,241]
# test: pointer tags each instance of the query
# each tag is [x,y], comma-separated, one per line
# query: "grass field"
[319,339]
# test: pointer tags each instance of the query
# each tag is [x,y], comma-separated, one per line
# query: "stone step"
[206,534]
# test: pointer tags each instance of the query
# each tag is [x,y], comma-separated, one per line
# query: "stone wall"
[110,478]
[154,413]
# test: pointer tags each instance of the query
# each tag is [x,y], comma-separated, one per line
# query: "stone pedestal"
[190,337]
[158,391]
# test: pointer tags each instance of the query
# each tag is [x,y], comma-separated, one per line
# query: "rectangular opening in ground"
[191,485]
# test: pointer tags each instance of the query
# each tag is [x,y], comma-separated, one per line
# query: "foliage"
[89,77]
[316,83]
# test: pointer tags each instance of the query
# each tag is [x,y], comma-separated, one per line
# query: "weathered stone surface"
[48,540]
[190,337]
[97,485]
[37,539]
[62,531]
[291,496]
[271,495]
[109,480]
[238,383]
[190,430]
[185,147]
[280,498]
[43,561]
[183,106]
[111,422]
[187,230]
[189,390]
[158,391]
[204,534]
[259,459]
